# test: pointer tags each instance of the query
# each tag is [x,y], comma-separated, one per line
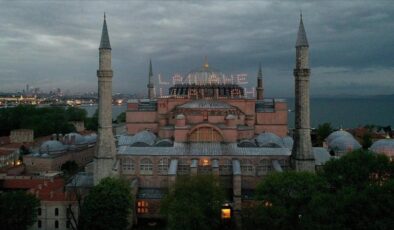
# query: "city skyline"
[54,45]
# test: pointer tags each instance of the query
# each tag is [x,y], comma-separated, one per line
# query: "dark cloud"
[53,44]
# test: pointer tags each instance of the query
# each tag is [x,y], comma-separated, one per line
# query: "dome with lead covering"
[144,138]
[231,117]
[269,140]
[344,144]
[180,117]
[339,133]
[140,139]
[247,143]
[383,146]
[288,142]
[164,143]
[52,147]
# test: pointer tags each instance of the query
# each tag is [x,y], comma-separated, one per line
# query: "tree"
[92,122]
[366,140]
[323,130]
[357,169]
[283,200]
[69,168]
[18,210]
[107,206]
[121,117]
[75,114]
[194,203]
[350,208]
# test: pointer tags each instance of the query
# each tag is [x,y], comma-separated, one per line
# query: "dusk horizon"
[54,45]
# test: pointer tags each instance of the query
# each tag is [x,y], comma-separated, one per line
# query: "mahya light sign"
[199,78]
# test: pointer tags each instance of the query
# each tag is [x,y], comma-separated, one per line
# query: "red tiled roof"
[6,151]
[44,189]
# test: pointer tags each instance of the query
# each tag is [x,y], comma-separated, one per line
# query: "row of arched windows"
[225,168]
[145,166]
[264,166]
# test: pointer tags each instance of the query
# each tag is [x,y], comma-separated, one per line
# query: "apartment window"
[56,224]
[56,211]
[68,224]
[146,166]
[142,207]
[247,167]
[39,211]
[39,224]
[162,167]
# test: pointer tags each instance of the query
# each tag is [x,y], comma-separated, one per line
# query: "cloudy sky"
[54,44]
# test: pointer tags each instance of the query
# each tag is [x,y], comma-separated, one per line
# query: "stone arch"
[205,133]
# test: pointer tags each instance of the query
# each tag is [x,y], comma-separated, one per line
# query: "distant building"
[22,136]
[56,204]
[53,153]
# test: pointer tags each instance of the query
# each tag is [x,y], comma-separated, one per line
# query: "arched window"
[226,168]
[205,134]
[56,211]
[39,224]
[56,224]
[39,211]
[265,166]
[146,166]
[247,167]
[162,167]
[127,166]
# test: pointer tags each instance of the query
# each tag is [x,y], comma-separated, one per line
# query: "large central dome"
[206,83]
[205,75]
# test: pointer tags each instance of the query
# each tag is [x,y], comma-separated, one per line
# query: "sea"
[340,112]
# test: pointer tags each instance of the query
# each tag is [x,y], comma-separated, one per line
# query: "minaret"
[302,155]
[105,147]
[259,89]
[150,83]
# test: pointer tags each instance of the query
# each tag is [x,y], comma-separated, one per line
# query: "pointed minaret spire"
[301,35]
[104,43]
[150,83]
[260,73]
[302,154]
[150,69]
[259,88]
[105,153]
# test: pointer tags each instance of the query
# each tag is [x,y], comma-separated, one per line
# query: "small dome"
[339,133]
[288,142]
[269,140]
[143,138]
[247,143]
[180,117]
[91,139]
[52,147]
[344,144]
[230,117]
[383,146]
[164,143]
